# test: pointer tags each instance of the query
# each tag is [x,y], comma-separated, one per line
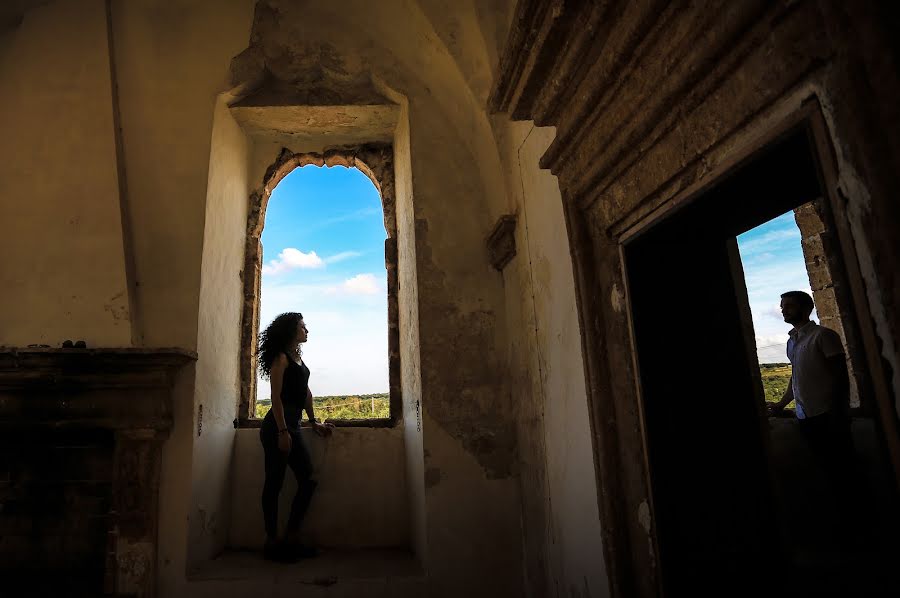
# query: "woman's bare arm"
[309,405]
[276,376]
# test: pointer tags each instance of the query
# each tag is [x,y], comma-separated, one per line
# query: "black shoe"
[273,551]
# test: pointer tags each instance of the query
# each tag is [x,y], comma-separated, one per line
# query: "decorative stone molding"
[501,243]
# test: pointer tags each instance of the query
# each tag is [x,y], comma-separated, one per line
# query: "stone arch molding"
[376,161]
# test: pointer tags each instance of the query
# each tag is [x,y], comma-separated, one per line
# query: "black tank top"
[294,384]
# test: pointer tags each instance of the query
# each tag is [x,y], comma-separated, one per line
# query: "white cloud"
[765,241]
[347,347]
[340,257]
[291,259]
[361,284]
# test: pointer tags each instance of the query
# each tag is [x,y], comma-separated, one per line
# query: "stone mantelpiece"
[125,391]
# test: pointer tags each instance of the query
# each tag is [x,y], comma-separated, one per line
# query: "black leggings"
[276,463]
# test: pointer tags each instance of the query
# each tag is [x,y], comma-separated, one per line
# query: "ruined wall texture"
[821,252]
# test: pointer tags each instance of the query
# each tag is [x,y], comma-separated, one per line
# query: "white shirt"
[814,383]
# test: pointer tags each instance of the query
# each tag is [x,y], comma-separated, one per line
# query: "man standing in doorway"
[820,385]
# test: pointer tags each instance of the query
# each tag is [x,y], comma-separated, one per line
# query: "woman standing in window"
[280,362]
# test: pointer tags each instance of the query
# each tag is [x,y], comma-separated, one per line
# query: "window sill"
[384,422]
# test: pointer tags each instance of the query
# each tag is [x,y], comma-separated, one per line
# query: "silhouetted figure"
[820,385]
[280,362]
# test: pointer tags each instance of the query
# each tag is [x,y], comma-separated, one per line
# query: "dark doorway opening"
[718,503]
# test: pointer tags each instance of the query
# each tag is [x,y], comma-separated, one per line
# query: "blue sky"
[773,263]
[323,255]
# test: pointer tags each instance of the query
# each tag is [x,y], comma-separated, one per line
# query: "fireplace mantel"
[126,391]
[116,388]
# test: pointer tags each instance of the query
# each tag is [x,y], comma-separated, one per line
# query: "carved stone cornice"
[615,77]
[116,388]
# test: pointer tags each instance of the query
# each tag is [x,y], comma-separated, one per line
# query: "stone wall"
[562,532]
[821,252]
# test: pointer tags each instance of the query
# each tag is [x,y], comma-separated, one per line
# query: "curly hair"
[275,339]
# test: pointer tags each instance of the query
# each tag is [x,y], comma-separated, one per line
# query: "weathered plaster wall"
[216,387]
[560,509]
[408,300]
[361,500]
[172,62]
[64,269]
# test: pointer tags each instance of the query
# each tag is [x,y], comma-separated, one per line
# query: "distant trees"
[775,378]
[367,406]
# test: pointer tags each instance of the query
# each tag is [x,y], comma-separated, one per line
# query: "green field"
[371,406]
[775,378]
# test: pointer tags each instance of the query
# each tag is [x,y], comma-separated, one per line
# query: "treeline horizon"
[350,406]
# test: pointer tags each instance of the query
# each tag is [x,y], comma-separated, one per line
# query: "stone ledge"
[115,388]
[93,368]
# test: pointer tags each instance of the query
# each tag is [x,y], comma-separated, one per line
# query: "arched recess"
[376,161]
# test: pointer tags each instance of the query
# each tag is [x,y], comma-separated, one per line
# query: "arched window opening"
[321,239]
[323,255]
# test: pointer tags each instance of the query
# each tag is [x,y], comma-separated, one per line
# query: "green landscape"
[371,406]
[775,378]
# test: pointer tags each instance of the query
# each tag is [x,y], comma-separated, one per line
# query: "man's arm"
[786,398]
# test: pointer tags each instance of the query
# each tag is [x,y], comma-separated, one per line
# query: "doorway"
[720,507]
